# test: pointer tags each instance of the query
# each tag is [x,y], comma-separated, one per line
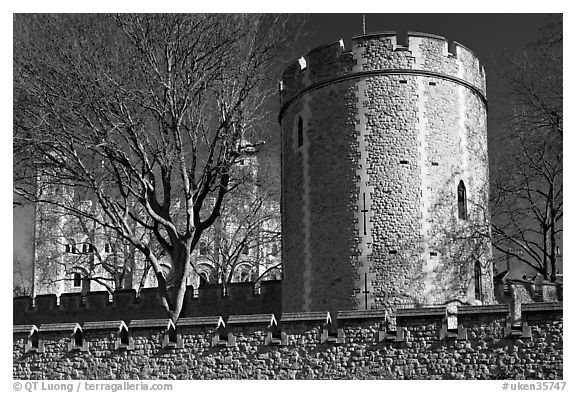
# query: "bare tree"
[247,236]
[141,114]
[527,190]
[245,239]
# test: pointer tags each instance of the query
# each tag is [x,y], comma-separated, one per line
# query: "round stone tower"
[385,175]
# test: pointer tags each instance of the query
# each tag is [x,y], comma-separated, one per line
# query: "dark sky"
[486,34]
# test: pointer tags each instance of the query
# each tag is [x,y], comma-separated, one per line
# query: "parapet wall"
[475,342]
[385,51]
[240,298]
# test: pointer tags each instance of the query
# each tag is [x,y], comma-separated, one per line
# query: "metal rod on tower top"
[363,24]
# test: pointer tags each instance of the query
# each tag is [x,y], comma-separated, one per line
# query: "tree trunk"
[176,284]
[553,250]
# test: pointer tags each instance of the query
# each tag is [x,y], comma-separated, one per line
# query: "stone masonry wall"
[355,345]
[329,138]
[370,199]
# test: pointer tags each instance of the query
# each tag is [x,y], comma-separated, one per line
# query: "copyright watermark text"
[86,386]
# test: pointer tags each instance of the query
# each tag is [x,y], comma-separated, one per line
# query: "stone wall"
[479,344]
[369,201]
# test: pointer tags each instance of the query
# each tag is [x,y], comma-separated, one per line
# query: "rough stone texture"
[396,145]
[329,136]
[486,353]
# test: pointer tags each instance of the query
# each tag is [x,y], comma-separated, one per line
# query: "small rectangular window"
[404,162]
[392,252]
[432,83]
[404,82]
[300,132]
[434,164]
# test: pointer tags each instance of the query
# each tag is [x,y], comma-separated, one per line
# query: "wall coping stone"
[485,309]
[543,306]
[323,316]
[375,34]
[27,329]
[105,325]
[201,321]
[60,327]
[268,319]
[312,51]
[426,35]
[423,311]
[361,314]
[151,323]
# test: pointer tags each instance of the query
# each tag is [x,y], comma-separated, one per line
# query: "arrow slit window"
[462,208]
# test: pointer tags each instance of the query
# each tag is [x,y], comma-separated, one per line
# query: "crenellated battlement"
[238,298]
[408,319]
[381,53]
[473,342]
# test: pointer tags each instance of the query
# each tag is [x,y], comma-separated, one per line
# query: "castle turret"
[385,175]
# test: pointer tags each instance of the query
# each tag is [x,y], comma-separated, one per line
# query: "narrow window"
[300,132]
[203,248]
[77,280]
[68,248]
[462,213]
[107,247]
[477,281]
